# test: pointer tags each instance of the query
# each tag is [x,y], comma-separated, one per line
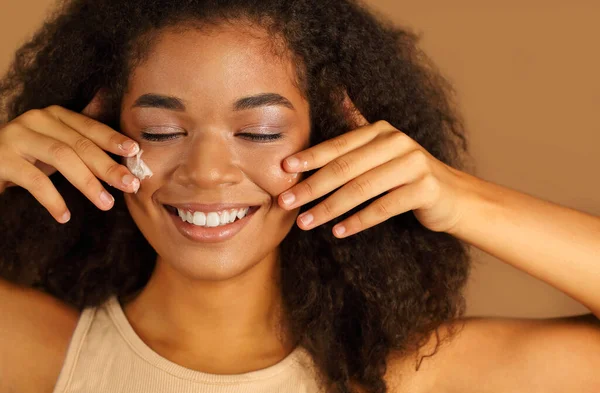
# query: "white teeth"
[242,213]
[224,218]
[212,219]
[232,215]
[199,218]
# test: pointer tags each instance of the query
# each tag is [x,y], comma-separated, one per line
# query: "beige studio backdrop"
[526,74]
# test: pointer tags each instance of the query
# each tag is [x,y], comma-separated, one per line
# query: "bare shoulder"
[35,331]
[493,355]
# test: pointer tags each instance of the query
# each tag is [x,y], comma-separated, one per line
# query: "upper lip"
[213,207]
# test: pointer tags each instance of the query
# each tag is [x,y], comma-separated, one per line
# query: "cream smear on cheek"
[138,167]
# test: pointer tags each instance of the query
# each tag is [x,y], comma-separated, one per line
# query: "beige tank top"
[106,355]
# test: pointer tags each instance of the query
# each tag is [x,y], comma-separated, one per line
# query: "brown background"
[526,73]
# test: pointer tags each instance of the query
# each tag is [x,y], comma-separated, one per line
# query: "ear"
[97,108]
[355,118]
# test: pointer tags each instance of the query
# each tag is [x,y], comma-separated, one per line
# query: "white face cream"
[138,167]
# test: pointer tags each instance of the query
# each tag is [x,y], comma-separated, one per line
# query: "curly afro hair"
[350,303]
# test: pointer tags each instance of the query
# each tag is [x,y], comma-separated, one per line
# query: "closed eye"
[260,137]
[254,137]
[158,137]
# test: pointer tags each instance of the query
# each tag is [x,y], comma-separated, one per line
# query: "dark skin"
[234,288]
[226,291]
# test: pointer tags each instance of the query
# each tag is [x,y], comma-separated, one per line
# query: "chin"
[202,266]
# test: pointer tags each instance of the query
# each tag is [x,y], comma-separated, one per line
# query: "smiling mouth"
[211,219]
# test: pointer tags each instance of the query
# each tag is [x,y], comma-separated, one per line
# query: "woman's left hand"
[375,159]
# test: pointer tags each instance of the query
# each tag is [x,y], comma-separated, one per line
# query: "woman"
[197,278]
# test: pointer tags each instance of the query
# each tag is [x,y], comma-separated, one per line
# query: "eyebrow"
[245,103]
[265,99]
[159,101]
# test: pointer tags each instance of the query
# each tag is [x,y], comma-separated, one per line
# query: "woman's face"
[215,112]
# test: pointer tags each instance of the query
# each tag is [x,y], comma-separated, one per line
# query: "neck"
[220,327]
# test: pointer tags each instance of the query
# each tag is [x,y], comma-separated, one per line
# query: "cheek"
[266,170]
[271,177]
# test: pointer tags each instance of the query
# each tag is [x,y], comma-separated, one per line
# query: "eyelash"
[166,137]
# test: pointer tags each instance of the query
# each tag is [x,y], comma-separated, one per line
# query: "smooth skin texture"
[234,287]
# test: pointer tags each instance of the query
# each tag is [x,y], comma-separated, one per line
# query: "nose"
[208,162]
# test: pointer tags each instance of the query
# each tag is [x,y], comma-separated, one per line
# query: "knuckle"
[361,187]
[39,181]
[341,167]
[308,189]
[113,168]
[339,144]
[397,138]
[327,208]
[417,157]
[10,131]
[60,151]
[34,116]
[83,145]
[310,156]
[54,108]
[90,181]
[382,209]
[91,126]
[359,220]
[382,124]
[430,186]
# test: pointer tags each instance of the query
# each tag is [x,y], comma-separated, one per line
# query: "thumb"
[97,107]
[355,118]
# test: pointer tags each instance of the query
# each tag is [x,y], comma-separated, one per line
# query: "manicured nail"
[288,198]
[106,198]
[128,179]
[292,162]
[136,185]
[306,219]
[130,147]
[65,217]
[339,230]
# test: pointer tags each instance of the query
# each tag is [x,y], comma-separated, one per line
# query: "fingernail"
[288,198]
[65,217]
[128,179]
[292,162]
[106,198]
[306,219]
[339,230]
[130,147]
[136,185]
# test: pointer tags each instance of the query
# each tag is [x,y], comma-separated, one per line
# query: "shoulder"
[489,355]
[35,331]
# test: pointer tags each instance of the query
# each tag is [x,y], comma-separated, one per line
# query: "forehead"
[219,62]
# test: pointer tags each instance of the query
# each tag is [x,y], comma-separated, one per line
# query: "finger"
[345,168]
[355,118]
[96,159]
[26,175]
[401,200]
[98,132]
[395,173]
[323,153]
[62,157]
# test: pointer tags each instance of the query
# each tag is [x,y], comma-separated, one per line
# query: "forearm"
[558,245]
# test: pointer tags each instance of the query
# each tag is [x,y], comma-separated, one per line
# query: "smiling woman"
[200,279]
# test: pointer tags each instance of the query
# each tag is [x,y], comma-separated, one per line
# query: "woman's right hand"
[42,141]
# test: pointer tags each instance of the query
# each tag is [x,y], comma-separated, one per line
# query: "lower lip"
[212,234]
